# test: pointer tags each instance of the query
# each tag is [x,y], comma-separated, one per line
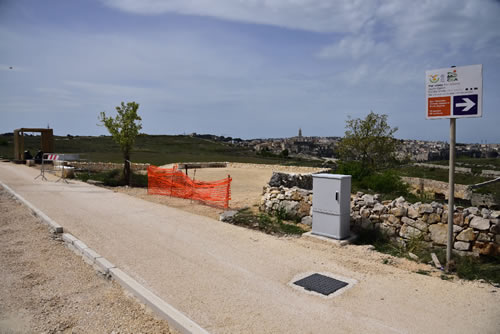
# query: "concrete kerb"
[166,311]
[52,224]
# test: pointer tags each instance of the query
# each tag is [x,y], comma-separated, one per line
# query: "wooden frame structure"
[47,141]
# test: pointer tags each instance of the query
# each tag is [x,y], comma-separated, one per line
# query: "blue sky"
[243,68]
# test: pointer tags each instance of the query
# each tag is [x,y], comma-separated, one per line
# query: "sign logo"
[452,76]
[433,78]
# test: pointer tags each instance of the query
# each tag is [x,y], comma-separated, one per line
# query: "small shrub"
[471,268]
[265,223]
[423,272]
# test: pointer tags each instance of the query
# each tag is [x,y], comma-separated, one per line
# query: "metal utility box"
[331,205]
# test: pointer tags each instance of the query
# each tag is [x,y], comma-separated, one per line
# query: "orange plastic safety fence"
[173,182]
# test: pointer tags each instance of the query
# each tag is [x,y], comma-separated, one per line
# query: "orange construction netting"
[173,182]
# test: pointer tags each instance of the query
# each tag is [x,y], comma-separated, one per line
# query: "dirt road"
[46,288]
[233,280]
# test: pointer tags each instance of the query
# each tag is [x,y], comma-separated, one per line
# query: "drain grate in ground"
[321,284]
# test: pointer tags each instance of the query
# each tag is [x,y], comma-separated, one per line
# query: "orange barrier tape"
[173,182]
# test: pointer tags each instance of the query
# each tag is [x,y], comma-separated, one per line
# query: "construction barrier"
[173,182]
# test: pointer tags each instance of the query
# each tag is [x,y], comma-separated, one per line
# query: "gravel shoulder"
[46,288]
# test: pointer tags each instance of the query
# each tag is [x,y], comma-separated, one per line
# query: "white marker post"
[455,92]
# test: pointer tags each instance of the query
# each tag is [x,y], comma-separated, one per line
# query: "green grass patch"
[266,223]
[154,149]
[475,163]
[472,268]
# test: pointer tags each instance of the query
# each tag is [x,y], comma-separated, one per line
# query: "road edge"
[164,310]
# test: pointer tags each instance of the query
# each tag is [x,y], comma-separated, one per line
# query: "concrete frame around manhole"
[350,283]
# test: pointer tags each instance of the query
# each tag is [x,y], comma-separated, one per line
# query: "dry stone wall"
[475,231]
[104,166]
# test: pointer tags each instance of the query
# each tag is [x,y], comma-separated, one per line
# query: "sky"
[243,68]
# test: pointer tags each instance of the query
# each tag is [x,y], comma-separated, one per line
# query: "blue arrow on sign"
[465,105]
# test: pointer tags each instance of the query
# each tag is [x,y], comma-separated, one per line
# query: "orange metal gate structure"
[173,182]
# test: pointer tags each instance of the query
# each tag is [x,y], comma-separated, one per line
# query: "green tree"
[124,128]
[369,141]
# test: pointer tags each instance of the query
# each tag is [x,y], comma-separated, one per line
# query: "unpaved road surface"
[46,288]
[233,280]
[246,186]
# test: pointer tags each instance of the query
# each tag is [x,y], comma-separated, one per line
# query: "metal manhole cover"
[320,284]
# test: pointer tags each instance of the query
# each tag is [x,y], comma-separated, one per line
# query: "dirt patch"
[46,288]
[246,187]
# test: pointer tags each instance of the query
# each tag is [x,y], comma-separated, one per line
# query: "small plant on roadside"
[423,272]
[446,277]
[266,223]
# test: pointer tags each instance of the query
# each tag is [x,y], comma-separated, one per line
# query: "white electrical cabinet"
[331,205]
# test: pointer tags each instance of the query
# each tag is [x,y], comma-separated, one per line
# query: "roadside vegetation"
[465,267]
[275,224]
[114,178]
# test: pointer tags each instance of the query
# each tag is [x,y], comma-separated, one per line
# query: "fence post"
[228,189]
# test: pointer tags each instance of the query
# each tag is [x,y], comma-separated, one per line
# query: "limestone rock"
[486,248]
[483,237]
[472,210]
[227,216]
[393,219]
[398,211]
[387,230]
[466,235]
[425,208]
[495,214]
[458,218]
[495,226]
[365,212]
[439,233]
[290,207]
[461,245]
[412,212]
[368,199]
[303,209]
[433,218]
[480,223]
[379,209]
[307,220]
[409,232]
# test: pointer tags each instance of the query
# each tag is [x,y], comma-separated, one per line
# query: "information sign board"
[455,92]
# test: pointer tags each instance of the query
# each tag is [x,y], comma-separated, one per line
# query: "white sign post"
[455,92]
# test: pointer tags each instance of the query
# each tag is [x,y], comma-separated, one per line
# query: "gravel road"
[46,288]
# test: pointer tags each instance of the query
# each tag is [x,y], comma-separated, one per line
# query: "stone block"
[486,248]
[68,238]
[461,245]
[433,218]
[495,226]
[425,208]
[412,212]
[484,237]
[90,256]
[480,223]
[439,233]
[467,235]
[227,216]
[307,220]
[103,265]
[398,211]
[80,246]
[409,232]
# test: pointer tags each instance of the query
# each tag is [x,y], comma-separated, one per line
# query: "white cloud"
[313,15]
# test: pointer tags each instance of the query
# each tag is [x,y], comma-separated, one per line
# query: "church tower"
[300,133]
